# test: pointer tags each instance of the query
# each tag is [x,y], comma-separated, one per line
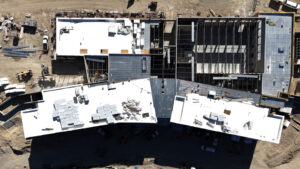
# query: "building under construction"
[227,52]
[117,47]
[251,54]
[219,74]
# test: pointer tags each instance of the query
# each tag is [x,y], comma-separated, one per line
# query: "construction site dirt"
[125,146]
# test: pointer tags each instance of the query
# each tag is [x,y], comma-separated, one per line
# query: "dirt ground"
[16,152]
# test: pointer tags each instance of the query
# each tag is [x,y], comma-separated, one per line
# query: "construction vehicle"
[292,5]
[45,44]
[45,79]
[288,3]
[24,76]
[45,70]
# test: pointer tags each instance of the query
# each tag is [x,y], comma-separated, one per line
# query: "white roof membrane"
[77,107]
[231,117]
[97,36]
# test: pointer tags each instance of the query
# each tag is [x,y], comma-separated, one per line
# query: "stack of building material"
[14,89]
[105,113]
[4,81]
[19,51]
[67,114]
[14,86]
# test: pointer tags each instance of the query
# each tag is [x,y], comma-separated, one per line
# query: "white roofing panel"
[137,21]
[200,111]
[40,121]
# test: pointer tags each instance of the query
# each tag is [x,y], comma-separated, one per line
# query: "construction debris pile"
[8,27]
[110,14]
[131,106]
[109,113]
[19,51]
[132,110]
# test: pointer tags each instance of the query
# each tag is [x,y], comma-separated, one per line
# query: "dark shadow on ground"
[288,9]
[122,144]
[16,110]
[130,3]
[274,5]
[18,103]
[74,66]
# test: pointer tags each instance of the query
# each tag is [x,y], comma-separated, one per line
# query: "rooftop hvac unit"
[142,41]
[112,29]
[136,21]
[143,25]
[248,125]
[213,116]
[135,27]
[287,110]
[127,23]
[280,50]
[138,42]
[139,30]
[211,94]
[86,99]
[78,91]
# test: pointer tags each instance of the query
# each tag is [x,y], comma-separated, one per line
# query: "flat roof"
[128,67]
[231,117]
[278,53]
[184,87]
[73,107]
[100,36]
